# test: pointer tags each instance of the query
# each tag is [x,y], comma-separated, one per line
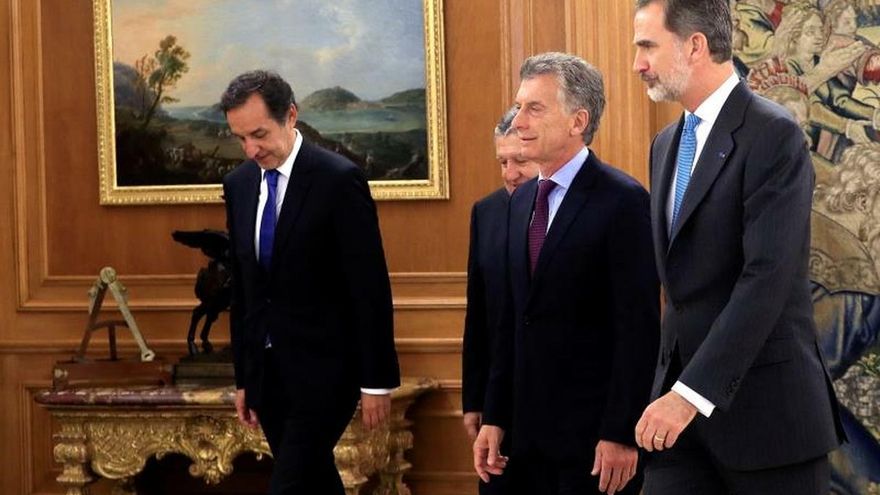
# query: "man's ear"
[581,121]
[699,46]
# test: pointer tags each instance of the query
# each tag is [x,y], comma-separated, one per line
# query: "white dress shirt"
[283,178]
[280,189]
[708,112]
[563,179]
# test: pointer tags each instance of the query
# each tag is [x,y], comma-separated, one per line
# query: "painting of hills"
[356,68]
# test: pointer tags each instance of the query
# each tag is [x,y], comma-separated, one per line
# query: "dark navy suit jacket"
[577,348]
[326,301]
[487,276]
[735,270]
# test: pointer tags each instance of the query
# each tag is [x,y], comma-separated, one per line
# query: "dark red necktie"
[540,219]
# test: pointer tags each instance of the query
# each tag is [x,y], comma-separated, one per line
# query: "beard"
[672,86]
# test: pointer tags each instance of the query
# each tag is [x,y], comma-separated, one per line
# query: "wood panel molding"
[625,132]
[430,345]
[27,110]
[175,292]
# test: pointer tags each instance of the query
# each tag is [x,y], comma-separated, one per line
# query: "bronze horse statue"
[213,283]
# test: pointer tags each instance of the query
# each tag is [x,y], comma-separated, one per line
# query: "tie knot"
[690,122]
[544,187]
[272,177]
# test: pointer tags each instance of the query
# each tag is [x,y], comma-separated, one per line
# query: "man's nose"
[518,121]
[639,64]
[250,148]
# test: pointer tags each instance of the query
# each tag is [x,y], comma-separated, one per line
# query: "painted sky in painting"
[373,48]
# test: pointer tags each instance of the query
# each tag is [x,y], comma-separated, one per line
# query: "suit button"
[268,300]
[527,321]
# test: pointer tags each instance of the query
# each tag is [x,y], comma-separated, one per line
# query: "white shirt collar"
[565,175]
[287,167]
[709,110]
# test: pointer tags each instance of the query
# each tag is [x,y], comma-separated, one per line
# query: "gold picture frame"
[434,186]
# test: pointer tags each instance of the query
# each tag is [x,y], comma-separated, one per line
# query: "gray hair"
[505,124]
[580,84]
[710,17]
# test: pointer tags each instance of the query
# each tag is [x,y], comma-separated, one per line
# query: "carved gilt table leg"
[400,440]
[349,453]
[71,451]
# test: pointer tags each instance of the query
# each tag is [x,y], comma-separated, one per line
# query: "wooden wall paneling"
[528,27]
[601,32]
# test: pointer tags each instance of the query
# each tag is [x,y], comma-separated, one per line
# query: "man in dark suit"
[742,401]
[311,318]
[486,283]
[573,364]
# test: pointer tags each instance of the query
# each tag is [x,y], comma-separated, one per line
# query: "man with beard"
[486,279]
[742,401]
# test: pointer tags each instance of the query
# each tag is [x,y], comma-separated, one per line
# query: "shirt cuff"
[701,403]
[376,391]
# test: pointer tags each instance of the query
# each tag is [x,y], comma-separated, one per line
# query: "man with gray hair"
[486,279]
[742,401]
[572,364]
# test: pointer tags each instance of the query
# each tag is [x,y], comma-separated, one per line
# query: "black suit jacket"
[326,301]
[576,351]
[735,270]
[485,294]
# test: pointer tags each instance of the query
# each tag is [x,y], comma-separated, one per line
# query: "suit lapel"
[520,217]
[715,153]
[248,211]
[663,160]
[571,205]
[297,187]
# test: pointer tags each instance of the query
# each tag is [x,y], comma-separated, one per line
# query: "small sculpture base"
[213,369]
[109,372]
[213,374]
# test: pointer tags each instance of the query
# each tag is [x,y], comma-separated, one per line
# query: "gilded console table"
[112,432]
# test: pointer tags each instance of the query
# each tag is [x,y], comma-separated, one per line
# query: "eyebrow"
[644,43]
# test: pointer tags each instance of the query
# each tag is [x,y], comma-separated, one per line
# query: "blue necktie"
[267,225]
[687,148]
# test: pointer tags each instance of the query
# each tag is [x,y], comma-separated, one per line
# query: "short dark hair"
[710,17]
[580,84]
[274,90]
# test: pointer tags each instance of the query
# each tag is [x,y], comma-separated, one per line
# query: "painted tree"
[160,74]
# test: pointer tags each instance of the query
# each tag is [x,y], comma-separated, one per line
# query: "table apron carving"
[115,440]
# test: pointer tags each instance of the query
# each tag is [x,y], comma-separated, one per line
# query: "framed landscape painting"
[368,79]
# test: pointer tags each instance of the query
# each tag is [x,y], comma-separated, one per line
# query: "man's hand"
[487,456]
[615,464]
[663,421]
[472,422]
[375,409]
[248,417]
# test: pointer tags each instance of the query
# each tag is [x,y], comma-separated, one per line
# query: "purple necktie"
[540,219]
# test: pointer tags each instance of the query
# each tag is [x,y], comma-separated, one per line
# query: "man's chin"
[266,163]
[658,94]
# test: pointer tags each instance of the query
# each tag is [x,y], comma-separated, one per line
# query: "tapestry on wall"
[820,59]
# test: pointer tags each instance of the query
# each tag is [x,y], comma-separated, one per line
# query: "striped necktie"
[687,148]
